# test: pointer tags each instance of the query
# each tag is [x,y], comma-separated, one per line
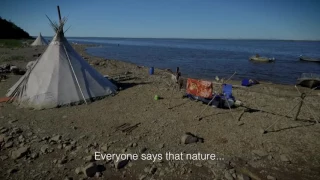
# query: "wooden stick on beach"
[241,114]
[303,95]
[174,86]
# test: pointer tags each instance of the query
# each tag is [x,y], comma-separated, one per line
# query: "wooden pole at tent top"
[59,13]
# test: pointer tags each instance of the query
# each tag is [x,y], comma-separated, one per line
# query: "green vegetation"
[11,35]
[11,31]
[10,43]
[5,58]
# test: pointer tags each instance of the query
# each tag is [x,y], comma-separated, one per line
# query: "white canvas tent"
[59,77]
[40,41]
[14,87]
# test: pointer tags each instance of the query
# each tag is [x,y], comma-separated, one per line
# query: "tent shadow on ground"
[287,128]
[126,79]
[252,110]
[227,111]
[178,105]
[127,85]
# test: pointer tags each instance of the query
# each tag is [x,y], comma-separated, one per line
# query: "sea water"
[205,59]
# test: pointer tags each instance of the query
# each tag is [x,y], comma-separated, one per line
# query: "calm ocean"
[207,58]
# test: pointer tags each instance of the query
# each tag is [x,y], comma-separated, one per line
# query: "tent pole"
[199,116]
[74,74]
[59,13]
[303,100]
[229,106]
[60,17]
[276,121]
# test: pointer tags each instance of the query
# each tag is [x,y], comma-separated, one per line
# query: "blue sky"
[223,19]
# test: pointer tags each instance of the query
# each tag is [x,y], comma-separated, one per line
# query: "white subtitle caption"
[156,157]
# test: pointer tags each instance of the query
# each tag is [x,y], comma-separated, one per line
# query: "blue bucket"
[151,70]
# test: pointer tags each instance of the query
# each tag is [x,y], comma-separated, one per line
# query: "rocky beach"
[258,140]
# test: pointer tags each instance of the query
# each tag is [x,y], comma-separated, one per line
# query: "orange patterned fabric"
[199,88]
[4,99]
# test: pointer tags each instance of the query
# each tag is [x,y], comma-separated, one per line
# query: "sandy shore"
[290,150]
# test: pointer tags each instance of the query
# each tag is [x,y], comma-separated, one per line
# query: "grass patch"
[4,58]
[11,43]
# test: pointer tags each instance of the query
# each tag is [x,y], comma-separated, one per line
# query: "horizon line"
[189,38]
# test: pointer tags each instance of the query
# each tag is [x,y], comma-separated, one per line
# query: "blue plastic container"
[151,70]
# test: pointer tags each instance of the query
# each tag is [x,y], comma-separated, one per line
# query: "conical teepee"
[59,77]
[40,41]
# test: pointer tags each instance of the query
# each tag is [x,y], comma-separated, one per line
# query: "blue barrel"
[151,70]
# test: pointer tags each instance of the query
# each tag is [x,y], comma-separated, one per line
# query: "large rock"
[78,170]
[19,152]
[142,177]
[8,138]
[260,153]
[12,121]
[189,138]
[132,145]
[4,130]
[90,170]
[284,158]
[271,178]
[142,150]
[8,144]
[69,147]
[98,174]
[46,149]
[2,137]
[121,163]
[104,148]
[152,170]
[34,155]
[63,160]
[161,145]
[96,62]
[102,63]
[2,158]
[21,138]
[243,177]
[11,171]
[29,134]
[228,176]
[60,146]
[16,130]
[73,143]
[89,158]
[55,138]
